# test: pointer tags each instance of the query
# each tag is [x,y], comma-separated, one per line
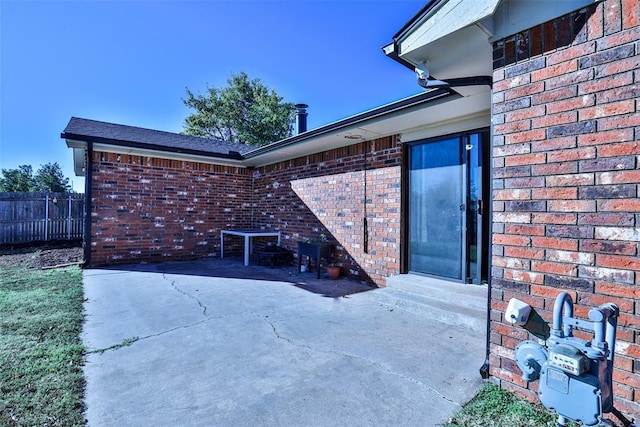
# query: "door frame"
[483,216]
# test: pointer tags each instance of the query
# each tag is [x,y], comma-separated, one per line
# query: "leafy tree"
[245,112]
[17,180]
[49,177]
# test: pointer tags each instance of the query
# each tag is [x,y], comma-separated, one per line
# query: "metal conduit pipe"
[612,325]
[598,317]
[563,301]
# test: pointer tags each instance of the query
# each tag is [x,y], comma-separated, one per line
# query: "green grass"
[495,407]
[41,353]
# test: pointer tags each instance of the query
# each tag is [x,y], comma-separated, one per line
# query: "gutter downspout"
[430,83]
[484,369]
[87,204]
[365,221]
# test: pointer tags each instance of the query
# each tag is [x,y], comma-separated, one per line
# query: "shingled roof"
[80,129]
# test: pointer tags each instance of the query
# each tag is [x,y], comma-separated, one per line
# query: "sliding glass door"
[435,213]
[445,207]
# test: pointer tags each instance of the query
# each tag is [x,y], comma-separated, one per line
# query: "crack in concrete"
[130,341]
[187,294]
[190,325]
[377,365]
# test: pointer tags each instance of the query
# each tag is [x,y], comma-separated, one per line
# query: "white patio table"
[248,243]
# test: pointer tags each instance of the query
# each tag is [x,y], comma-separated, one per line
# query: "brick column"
[566,157]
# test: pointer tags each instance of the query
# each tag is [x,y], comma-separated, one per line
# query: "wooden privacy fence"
[30,217]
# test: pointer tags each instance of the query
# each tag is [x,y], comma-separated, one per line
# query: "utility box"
[569,383]
[575,374]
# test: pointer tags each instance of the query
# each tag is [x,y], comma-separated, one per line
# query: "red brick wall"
[566,157]
[151,209]
[324,193]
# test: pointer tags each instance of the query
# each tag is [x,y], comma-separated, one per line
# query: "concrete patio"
[214,343]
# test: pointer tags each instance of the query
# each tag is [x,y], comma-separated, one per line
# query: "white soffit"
[449,17]
[79,148]
[465,53]
[78,161]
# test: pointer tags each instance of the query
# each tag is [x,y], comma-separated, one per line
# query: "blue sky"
[129,62]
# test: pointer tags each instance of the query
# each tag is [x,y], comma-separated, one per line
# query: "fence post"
[69,221]
[46,217]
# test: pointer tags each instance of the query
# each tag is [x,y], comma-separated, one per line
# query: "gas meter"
[569,359]
[575,374]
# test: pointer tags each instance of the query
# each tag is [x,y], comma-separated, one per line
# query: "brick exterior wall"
[566,157]
[152,209]
[324,193]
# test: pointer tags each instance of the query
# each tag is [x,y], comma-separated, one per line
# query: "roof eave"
[417,18]
[391,49]
[148,147]
[352,121]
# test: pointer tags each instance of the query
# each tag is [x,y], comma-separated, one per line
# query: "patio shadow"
[233,268]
